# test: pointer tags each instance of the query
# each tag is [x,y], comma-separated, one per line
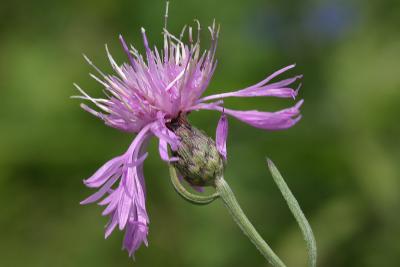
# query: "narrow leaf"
[297,213]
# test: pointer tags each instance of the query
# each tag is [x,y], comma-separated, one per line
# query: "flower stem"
[245,225]
[192,198]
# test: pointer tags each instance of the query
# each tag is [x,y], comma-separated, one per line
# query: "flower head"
[144,96]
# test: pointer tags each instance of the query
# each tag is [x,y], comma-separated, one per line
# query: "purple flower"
[144,96]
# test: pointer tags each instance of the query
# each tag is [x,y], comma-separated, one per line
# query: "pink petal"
[221,135]
[163,133]
[104,173]
[124,207]
[163,150]
[264,120]
[116,196]
[277,89]
[111,225]
[99,194]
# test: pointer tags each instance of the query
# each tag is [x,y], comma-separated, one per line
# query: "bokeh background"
[341,161]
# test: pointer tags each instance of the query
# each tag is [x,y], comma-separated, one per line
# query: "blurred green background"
[341,161]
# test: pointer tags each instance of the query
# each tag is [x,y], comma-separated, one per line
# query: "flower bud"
[198,159]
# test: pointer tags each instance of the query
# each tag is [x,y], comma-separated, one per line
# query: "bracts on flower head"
[199,160]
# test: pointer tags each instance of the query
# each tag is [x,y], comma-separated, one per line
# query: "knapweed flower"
[145,96]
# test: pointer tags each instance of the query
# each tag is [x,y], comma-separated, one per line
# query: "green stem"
[181,190]
[245,225]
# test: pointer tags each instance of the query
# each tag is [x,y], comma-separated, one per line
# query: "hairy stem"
[245,225]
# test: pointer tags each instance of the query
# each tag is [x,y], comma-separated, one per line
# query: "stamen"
[85,98]
[172,37]
[94,66]
[114,64]
[98,80]
[190,35]
[128,53]
[166,14]
[134,51]
[88,97]
[175,80]
[182,32]
[198,30]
